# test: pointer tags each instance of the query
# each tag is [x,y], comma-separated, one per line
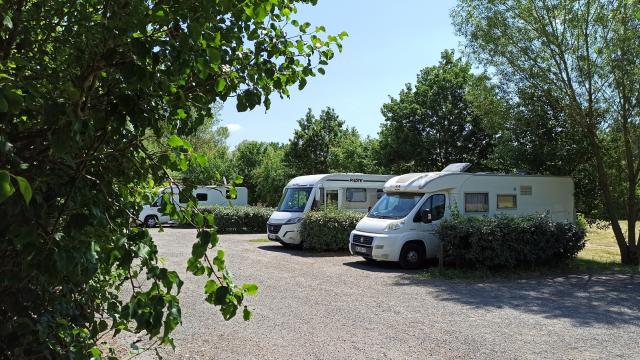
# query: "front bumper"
[288,233]
[381,247]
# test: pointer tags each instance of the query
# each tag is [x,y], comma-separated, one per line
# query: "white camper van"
[400,227]
[207,196]
[346,191]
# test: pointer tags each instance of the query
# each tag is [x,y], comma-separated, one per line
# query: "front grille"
[362,240]
[273,229]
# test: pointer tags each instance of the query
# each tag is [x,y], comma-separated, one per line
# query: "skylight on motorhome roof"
[457,167]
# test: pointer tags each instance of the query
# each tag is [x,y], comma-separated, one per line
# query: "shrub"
[328,230]
[509,242]
[240,219]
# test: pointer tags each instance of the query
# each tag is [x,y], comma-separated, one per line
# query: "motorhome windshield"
[294,199]
[394,205]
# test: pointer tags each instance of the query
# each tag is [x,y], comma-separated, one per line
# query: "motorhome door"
[436,204]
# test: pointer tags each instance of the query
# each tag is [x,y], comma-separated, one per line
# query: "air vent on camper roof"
[457,167]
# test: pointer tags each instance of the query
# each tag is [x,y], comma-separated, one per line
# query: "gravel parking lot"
[341,307]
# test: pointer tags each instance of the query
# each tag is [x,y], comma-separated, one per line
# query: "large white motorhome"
[207,196]
[346,191]
[401,226]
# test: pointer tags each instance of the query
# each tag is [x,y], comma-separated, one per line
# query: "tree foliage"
[84,86]
[435,122]
[587,53]
[246,157]
[352,153]
[308,150]
[271,176]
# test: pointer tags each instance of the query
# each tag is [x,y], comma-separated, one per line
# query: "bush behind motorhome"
[240,219]
[328,230]
[509,242]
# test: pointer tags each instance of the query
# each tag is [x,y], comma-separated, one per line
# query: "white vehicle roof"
[449,178]
[311,180]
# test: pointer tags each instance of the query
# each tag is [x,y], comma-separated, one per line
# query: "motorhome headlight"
[394,225]
[294,220]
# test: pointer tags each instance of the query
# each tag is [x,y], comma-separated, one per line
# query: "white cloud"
[233,128]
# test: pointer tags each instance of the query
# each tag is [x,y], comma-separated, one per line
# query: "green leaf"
[6,187]
[7,22]
[302,83]
[211,286]
[220,84]
[25,188]
[250,289]
[246,314]
[175,141]
[218,261]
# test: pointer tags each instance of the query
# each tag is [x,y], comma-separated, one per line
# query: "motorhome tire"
[151,221]
[412,256]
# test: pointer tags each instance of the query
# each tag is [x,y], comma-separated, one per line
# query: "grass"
[601,255]
[260,240]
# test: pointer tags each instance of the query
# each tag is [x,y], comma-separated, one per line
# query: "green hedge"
[240,219]
[328,230]
[509,242]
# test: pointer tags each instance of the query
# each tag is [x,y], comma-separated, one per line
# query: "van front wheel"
[412,256]
[150,221]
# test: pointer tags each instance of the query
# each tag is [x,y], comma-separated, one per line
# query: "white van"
[207,196]
[400,227]
[346,191]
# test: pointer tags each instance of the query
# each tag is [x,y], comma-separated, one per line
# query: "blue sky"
[388,43]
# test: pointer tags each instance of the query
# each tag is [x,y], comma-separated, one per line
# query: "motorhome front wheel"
[150,221]
[412,256]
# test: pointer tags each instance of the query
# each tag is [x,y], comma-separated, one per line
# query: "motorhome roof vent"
[457,167]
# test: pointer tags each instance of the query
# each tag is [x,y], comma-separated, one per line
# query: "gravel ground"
[340,307]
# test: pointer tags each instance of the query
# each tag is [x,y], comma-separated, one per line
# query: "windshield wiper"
[383,216]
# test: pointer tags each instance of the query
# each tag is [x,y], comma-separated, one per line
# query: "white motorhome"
[207,196]
[401,226]
[356,192]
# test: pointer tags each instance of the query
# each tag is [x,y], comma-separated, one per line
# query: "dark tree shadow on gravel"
[297,251]
[381,267]
[586,300]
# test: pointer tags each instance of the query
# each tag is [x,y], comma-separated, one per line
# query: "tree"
[247,156]
[308,151]
[210,140]
[436,123]
[271,176]
[536,138]
[587,53]
[84,85]
[351,153]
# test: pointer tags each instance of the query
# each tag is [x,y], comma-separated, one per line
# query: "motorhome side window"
[437,205]
[476,202]
[356,195]
[202,197]
[507,201]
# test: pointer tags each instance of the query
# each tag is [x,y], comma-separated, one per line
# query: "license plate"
[360,249]
[271,236]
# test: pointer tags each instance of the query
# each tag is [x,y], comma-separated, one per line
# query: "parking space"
[336,306]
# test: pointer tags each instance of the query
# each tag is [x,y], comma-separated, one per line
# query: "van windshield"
[394,205]
[294,199]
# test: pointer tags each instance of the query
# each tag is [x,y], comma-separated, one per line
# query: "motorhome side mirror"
[426,216]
